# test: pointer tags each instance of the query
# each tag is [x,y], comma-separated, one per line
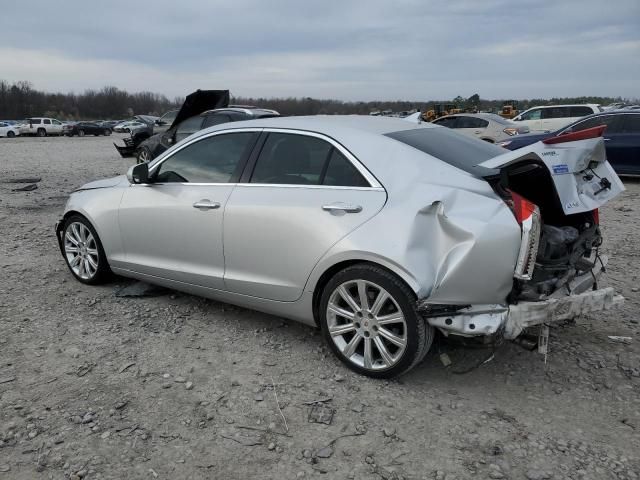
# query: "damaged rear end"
[554,189]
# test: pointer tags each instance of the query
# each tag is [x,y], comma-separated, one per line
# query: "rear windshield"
[451,147]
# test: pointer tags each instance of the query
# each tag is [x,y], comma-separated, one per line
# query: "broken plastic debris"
[444,358]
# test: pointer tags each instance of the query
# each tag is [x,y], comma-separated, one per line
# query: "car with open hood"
[376,230]
[194,104]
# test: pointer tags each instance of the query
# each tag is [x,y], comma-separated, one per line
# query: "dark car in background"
[155,145]
[85,128]
[621,138]
[194,104]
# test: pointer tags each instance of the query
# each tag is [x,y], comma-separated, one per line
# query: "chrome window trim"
[311,187]
[165,156]
[368,176]
[373,182]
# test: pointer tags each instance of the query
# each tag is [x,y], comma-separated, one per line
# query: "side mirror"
[138,174]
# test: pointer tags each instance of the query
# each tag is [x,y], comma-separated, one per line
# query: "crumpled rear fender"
[452,246]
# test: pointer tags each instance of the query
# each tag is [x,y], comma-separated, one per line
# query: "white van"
[553,117]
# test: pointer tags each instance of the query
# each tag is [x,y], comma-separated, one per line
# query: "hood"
[104,183]
[201,101]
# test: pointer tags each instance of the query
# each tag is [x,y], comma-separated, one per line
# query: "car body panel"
[275,234]
[165,236]
[569,164]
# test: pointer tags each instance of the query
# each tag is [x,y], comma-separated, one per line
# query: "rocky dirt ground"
[93,385]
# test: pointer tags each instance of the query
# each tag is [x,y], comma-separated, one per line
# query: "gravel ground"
[173,386]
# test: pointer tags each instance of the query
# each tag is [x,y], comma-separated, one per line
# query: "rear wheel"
[41,132]
[10,134]
[83,251]
[107,132]
[369,319]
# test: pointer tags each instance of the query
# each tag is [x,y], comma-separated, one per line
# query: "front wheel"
[369,319]
[41,132]
[107,132]
[143,155]
[10,134]
[81,133]
[83,251]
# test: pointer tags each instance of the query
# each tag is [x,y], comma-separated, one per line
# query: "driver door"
[172,227]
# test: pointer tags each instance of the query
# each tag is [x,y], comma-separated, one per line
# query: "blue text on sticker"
[560,169]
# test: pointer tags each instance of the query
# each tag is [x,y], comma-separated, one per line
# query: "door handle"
[341,207]
[606,139]
[206,205]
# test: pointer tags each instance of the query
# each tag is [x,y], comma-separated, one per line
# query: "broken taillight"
[522,208]
[596,216]
[528,216]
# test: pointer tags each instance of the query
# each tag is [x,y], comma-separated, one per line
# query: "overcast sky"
[344,49]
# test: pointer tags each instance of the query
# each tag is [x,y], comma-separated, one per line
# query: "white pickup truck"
[41,127]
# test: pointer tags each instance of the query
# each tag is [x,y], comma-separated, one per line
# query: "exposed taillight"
[522,208]
[510,131]
[596,216]
[528,216]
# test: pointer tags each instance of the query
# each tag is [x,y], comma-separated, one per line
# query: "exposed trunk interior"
[567,242]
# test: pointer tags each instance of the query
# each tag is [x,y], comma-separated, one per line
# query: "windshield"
[451,147]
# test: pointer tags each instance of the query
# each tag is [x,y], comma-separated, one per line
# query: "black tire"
[41,132]
[10,134]
[107,132]
[143,155]
[81,133]
[103,271]
[418,334]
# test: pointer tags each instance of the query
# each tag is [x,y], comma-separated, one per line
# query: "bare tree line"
[20,100]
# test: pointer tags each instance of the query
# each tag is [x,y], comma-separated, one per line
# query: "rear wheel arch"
[330,272]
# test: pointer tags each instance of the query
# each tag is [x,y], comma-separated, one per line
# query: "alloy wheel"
[81,250]
[144,156]
[367,325]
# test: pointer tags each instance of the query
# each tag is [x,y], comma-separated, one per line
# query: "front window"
[56,122]
[532,115]
[213,159]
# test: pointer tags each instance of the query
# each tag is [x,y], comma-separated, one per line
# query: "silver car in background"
[489,127]
[377,230]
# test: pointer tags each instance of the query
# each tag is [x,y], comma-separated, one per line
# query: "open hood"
[201,101]
[582,176]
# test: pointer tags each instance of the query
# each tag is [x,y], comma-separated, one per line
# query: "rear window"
[451,147]
[580,111]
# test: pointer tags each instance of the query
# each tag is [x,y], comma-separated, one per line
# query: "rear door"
[303,193]
[627,145]
[472,126]
[554,118]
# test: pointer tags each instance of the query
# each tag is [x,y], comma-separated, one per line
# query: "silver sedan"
[379,231]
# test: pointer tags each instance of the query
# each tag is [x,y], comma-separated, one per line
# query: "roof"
[328,123]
